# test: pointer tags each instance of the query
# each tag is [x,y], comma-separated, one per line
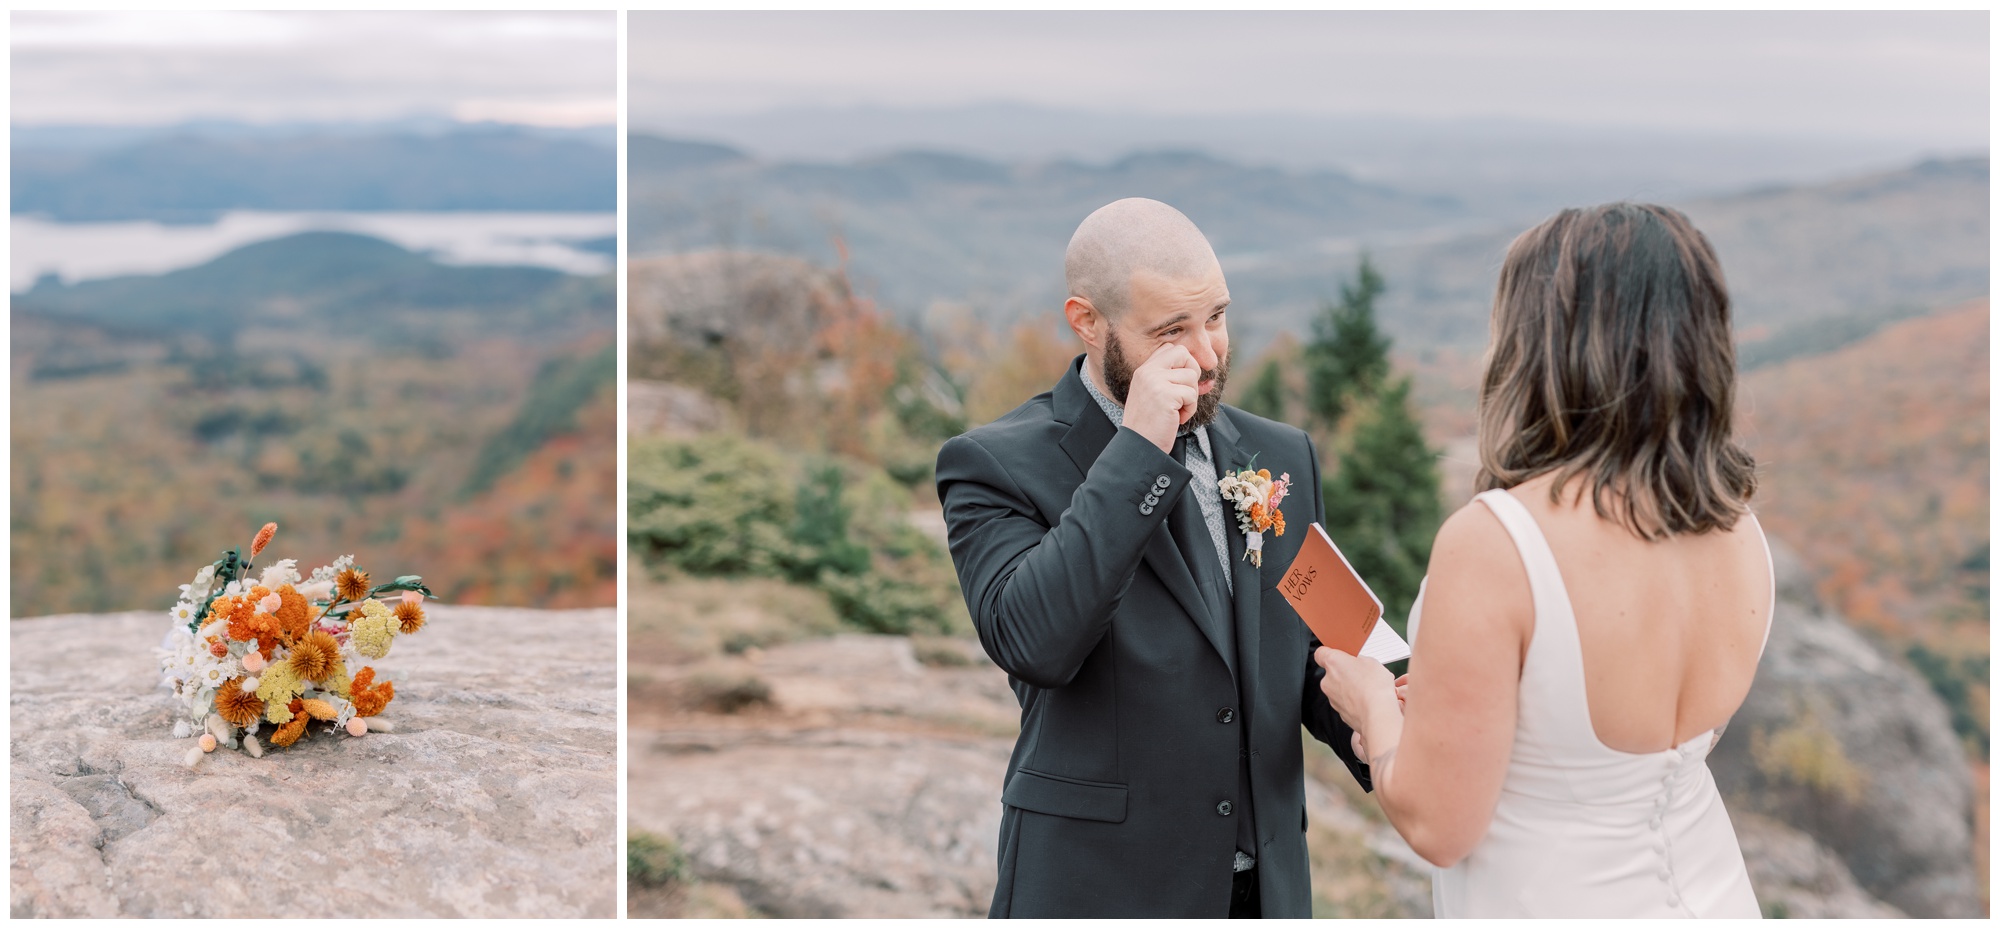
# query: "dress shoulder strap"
[1553,710]
[1544,580]
[1771,565]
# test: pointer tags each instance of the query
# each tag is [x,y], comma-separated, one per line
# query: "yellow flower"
[337,681]
[277,687]
[373,630]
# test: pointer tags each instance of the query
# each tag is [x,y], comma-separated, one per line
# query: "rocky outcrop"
[1798,878]
[1853,749]
[865,784]
[717,296]
[864,781]
[496,795]
[672,410]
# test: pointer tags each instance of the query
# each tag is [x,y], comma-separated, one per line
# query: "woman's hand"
[1360,745]
[1359,689]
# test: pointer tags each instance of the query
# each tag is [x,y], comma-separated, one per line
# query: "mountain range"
[1506,168]
[192,173]
[919,230]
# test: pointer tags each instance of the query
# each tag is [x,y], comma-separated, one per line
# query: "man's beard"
[1118,380]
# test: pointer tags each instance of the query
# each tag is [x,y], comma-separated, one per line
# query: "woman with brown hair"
[1592,620]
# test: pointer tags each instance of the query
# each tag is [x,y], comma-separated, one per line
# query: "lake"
[82,251]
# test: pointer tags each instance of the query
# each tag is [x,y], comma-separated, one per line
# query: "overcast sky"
[141,69]
[1917,77]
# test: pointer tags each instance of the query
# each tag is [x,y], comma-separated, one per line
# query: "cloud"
[1808,73]
[163,68]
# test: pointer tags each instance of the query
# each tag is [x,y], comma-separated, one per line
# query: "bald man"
[1162,677]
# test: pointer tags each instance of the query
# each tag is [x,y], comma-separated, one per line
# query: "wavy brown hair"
[1611,360]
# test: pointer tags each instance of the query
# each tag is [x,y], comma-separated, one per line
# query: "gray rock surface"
[829,824]
[674,410]
[869,786]
[496,795]
[1799,878]
[1853,749]
[715,295]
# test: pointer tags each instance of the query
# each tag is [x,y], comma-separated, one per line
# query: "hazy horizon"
[554,69]
[1918,80]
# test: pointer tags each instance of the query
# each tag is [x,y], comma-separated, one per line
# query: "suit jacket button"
[1145,510]
[1225,715]
[1224,808]
[1162,482]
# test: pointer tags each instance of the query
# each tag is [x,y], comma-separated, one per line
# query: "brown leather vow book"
[1336,603]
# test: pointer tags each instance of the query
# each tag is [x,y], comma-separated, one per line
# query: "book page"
[1384,645]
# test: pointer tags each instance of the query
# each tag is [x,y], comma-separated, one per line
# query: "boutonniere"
[1256,495]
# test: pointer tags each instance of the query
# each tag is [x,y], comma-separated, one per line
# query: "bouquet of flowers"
[1256,495]
[280,651]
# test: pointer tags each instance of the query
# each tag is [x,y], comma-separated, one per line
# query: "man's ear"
[1085,321]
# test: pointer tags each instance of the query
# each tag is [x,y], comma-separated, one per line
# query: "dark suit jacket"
[1133,694]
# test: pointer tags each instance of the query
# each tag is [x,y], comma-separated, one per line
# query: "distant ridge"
[343,277]
[191,176]
[1502,167]
[675,154]
[923,227]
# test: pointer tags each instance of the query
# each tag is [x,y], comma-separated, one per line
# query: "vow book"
[1337,604]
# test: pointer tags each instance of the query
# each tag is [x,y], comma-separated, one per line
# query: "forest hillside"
[452,421]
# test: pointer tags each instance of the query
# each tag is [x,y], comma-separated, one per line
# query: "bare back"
[1670,631]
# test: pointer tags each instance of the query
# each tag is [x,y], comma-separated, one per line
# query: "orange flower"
[218,649]
[314,656]
[367,696]
[410,615]
[294,613]
[236,614]
[290,732]
[235,705]
[351,584]
[245,622]
[263,538]
[1278,518]
[1257,512]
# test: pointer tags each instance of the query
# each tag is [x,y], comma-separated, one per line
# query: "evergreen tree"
[1266,396]
[1348,357]
[1382,505]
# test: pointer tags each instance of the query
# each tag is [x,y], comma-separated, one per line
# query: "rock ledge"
[495,796]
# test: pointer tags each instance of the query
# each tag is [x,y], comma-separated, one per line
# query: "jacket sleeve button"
[1224,808]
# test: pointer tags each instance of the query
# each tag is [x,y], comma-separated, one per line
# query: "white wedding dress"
[1581,829]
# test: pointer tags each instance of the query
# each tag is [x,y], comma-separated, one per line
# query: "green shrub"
[719,506]
[653,860]
[722,505]
[1954,682]
[820,527]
